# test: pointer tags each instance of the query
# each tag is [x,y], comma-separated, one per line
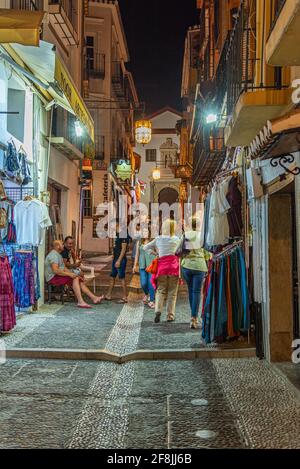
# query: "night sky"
[155,31]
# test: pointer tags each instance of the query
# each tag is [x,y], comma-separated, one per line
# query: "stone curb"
[105,355]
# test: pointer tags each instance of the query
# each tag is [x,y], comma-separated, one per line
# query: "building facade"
[241,108]
[42,76]
[112,99]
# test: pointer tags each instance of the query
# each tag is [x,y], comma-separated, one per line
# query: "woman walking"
[142,260]
[194,268]
[165,279]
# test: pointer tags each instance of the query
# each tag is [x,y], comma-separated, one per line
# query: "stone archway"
[168,195]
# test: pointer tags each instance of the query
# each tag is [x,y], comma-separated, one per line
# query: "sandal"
[170,319]
[122,301]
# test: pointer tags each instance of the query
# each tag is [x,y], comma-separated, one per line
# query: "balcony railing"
[64,126]
[242,61]
[95,66]
[30,5]
[64,17]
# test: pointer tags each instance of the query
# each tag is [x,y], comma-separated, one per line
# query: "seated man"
[69,255]
[57,274]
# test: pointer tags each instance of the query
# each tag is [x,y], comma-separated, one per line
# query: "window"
[151,155]
[87,203]
[99,147]
[90,52]
[15,122]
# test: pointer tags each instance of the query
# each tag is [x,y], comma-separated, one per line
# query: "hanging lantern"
[156,174]
[143,132]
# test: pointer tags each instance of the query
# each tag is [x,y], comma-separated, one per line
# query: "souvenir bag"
[3,218]
[2,191]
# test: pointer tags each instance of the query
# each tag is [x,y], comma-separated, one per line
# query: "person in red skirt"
[57,274]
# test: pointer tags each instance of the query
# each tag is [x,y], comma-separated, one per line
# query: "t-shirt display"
[31,219]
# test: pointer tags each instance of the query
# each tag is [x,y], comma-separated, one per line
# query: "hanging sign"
[123,170]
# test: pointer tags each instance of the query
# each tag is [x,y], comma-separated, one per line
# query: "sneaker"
[151,304]
[157,317]
[193,323]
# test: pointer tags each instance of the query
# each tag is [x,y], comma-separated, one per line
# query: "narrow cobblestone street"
[176,403]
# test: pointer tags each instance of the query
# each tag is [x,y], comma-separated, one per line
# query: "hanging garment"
[11,164]
[7,304]
[235,219]
[244,289]
[31,220]
[218,228]
[222,315]
[24,168]
[23,277]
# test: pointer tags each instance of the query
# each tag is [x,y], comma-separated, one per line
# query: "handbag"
[152,268]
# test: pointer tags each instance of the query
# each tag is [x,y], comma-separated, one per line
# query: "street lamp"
[211,118]
[143,131]
[156,174]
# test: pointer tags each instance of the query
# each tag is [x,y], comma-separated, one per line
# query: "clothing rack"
[229,249]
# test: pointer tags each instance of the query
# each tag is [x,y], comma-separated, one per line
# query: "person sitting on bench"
[58,275]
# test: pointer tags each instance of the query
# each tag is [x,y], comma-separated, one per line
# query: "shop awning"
[44,63]
[20,26]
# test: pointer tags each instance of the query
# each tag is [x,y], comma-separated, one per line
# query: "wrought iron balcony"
[64,19]
[95,66]
[63,136]
[118,79]
[30,5]
[241,61]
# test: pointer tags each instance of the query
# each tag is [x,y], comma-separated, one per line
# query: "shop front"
[36,166]
[274,209]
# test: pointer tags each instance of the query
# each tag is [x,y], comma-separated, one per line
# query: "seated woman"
[58,275]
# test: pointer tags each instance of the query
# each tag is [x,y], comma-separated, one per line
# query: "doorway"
[283,273]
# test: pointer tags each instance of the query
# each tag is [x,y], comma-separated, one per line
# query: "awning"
[44,63]
[278,137]
[20,26]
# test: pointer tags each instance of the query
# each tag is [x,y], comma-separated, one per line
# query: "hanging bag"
[3,218]
[11,232]
[2,191]
[152,268]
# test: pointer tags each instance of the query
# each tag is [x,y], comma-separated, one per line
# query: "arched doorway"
[168,195]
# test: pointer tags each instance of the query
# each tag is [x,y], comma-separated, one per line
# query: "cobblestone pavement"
[232,403]
[158,404]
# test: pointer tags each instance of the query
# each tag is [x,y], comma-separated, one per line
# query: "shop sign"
[63,79]
[123,170]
